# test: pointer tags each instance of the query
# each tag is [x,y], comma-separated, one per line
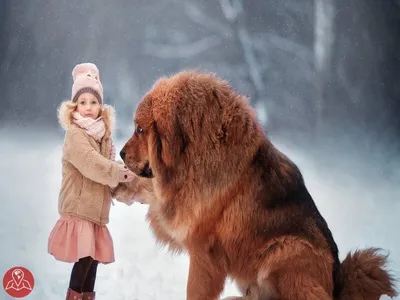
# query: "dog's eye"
[139,130]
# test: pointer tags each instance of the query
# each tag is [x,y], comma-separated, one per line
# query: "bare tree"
[263,58]
[323,43]
[233,30]
[234,13]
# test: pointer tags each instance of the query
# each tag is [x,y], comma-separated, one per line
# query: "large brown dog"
[234,203]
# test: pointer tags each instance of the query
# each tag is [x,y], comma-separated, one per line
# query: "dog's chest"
[178,234]
[175,226]
[177,231]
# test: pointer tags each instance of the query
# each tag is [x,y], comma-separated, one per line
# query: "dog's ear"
[169,140]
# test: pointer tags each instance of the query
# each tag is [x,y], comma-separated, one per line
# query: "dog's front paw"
[122,193]
[138,190]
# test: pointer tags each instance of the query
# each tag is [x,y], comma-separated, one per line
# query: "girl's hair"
[64,112]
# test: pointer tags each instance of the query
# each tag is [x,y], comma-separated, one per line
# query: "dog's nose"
[122,154]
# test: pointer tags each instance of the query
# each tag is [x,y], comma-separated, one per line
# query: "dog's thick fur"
[239,207]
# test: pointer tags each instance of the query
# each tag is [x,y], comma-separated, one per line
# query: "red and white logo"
[18,282]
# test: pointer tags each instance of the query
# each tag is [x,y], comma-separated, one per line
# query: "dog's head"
[186,126]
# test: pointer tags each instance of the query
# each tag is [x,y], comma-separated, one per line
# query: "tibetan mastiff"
[223,194]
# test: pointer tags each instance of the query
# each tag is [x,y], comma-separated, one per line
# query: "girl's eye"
[94,102]
[139,130]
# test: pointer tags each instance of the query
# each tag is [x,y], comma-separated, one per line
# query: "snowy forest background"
[323,75]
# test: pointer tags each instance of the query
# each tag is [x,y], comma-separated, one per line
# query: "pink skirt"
[73,238]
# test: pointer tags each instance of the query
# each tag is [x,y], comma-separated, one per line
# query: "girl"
[89,174]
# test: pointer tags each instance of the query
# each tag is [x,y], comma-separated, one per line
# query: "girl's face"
[88,106]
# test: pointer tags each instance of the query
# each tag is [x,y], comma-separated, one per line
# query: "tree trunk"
[323,44]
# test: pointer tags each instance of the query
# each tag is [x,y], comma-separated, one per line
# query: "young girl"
[89,173]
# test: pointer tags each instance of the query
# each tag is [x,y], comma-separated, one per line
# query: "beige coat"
[87,173]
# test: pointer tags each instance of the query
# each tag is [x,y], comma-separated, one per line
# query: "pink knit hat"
[86,78]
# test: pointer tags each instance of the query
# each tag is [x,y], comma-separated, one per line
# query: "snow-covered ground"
[358,194]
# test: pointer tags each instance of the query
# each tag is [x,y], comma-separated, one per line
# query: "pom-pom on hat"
[86,78]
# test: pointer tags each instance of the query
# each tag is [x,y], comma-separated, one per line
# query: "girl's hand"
[125,175]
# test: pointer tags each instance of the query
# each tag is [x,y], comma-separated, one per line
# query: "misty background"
[323,75]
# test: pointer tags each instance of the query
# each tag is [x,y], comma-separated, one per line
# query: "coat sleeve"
[79,152]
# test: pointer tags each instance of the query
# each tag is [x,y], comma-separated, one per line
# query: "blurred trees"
[363,88]
[306,65]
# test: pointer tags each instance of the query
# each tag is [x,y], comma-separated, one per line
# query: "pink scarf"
[95,128]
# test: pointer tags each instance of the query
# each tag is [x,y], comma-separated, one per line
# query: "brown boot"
[89,296]
[72,295]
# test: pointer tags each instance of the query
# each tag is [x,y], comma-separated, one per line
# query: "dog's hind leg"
[295,286]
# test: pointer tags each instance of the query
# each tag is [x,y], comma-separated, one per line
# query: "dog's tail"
[364,276]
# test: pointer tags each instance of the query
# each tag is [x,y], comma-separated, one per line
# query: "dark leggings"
[83,275]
